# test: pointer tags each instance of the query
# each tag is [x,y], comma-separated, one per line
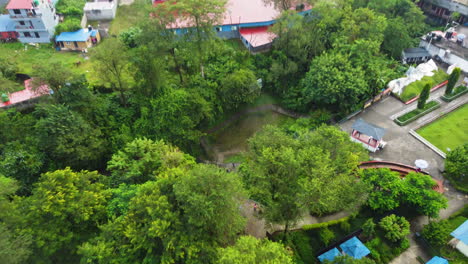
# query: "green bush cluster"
[384,252]
[325,224]
[68,25]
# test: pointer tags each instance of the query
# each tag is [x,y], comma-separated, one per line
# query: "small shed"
[330,255]
[461,238]
[415,56]
[355,248]
[437,260]
[369,135]
[78,40]
[7,28]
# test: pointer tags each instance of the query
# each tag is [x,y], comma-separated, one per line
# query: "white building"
[101,9]
[35,19]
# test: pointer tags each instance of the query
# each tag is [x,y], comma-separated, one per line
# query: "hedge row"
[459,91]
[325,224]
[416,113]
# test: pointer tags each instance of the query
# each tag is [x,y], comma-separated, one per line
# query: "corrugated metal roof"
[355,248]
[257,36]
[80,35]
[6,24]
[416,53]
[363,127]
[461,233]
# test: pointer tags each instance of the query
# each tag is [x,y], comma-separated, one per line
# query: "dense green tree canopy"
[396,227]
[310,172]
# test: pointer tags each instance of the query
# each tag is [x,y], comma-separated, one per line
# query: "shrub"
[424,96]
[326,235]
[369,227]
[436,232]
[129,36]
[395,227]
[456,168]
[452,80]
[415,113]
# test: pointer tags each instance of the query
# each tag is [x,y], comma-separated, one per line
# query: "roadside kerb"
[427,143]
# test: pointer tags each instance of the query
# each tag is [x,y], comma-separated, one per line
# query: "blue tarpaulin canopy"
[329,255]
[437,260]
[355,248]
[461,233]
[80,35]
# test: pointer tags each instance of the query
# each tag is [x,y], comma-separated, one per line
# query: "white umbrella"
[422,164]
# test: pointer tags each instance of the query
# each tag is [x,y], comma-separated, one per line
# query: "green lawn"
[449,131]
[129,15]
[415,88]
[31,56]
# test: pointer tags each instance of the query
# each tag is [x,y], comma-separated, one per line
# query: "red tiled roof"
[257,36]
[26,94]
[19,4]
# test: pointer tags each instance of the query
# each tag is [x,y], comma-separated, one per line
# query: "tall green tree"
[456,166]
[424,96]
[182,217]
[112,65]
[387,189]
[200,16]
[68,139]
[452,80]
[63,212]
[437,232]
[143,159]
[334,83]
[249,250]
[289,175]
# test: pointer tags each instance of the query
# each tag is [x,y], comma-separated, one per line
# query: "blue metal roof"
[80,35]
[437,260]
[6,23]
[461,233]
[329,255]
[355,248]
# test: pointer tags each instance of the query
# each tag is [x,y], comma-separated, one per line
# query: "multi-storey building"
[443,10]
[35,20]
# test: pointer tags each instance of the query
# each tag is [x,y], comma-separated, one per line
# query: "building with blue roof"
[330,255]
[354,248]
[437,260]
[78,40]
[461,236]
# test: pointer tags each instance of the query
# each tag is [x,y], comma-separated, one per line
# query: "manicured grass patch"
[415,88]
[129,15]
[415,114]
[449,131]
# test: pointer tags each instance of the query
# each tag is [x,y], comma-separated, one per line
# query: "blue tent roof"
[355,248]
[437,260]
[329,255]
[461,233]
[6,24]
[80,35]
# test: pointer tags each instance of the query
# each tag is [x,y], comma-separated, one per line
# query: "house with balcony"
[35,20]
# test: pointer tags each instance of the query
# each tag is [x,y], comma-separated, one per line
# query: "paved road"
[404,148]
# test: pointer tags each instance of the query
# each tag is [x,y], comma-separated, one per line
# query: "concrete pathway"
[126,2]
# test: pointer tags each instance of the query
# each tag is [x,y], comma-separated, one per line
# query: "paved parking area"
[401,147]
